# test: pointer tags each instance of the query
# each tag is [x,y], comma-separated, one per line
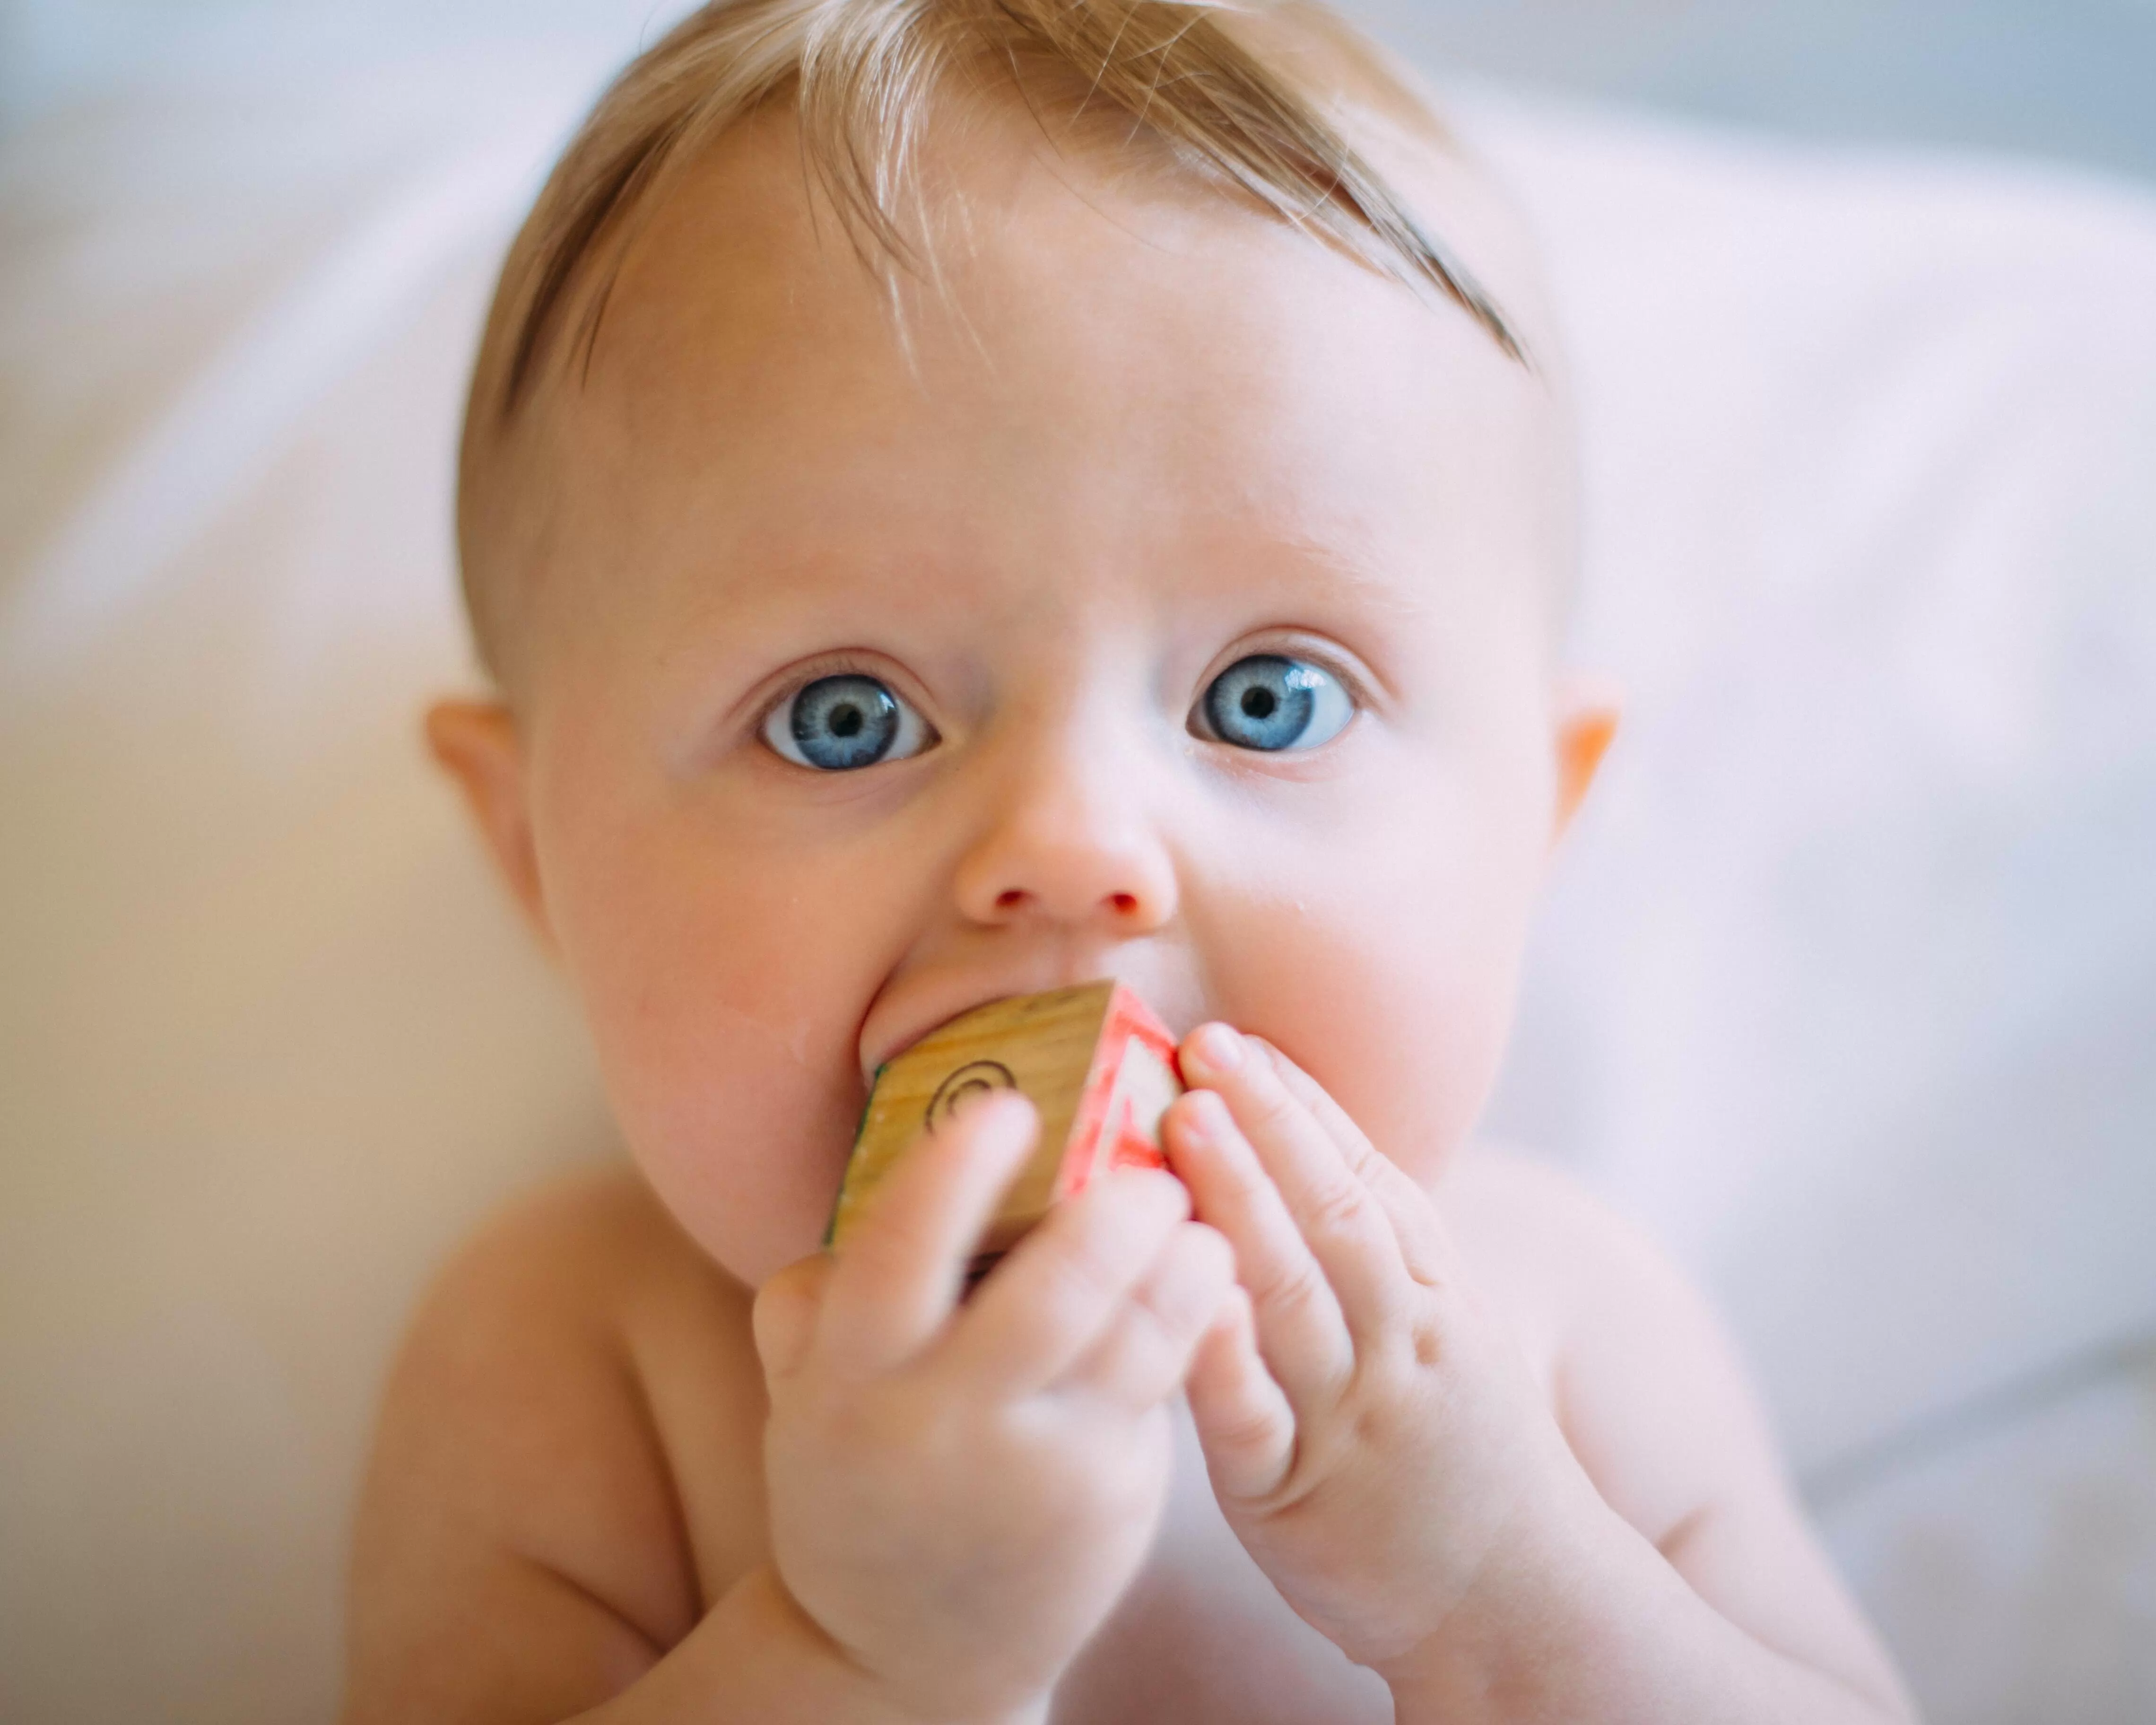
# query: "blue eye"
[1271,703]
[839,724]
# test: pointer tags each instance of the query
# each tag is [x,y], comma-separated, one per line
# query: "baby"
[961,498]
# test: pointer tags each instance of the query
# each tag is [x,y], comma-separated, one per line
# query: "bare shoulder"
[1648,1388]
[521,1535]
[1654,1400]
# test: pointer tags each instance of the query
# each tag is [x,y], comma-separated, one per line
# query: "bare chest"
[1203,1637]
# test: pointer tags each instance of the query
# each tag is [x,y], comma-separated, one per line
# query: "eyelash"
[821,669]
[842,664]
[1309,652]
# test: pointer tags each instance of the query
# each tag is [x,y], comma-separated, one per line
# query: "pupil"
[845,722]
[1266,701]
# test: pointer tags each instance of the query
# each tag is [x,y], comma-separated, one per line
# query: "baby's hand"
[1373,1432]
[958,1495]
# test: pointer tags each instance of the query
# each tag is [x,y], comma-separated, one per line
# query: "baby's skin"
[1353,1421]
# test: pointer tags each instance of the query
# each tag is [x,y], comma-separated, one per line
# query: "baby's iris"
[1272,703]
[838,724]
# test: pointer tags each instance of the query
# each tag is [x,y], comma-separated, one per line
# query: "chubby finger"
[1425,1247]
[1145,1352]
[1301,1328]
[899,1272]
[1059,1289]
[1348,1231]
[784,1319]
[1244,1422]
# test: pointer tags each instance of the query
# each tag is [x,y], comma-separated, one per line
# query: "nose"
[1069,842]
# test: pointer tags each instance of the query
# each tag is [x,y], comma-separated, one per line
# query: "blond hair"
[1207,78]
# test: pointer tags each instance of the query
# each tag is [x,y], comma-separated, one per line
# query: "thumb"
[784,1319]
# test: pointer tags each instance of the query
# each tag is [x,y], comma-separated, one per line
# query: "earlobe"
[1587,711]
[475,743]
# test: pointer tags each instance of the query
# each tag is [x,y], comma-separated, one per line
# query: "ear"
[1586,712]
[475,743]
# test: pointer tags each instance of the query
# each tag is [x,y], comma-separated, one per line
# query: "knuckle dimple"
[1293,1288]
[1361,1157]
[1372,1427]
[1334,1205]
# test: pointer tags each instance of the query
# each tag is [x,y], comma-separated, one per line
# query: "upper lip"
[939,1002]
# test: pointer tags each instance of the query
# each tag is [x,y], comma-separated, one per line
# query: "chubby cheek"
[1392,983]
[724,1000]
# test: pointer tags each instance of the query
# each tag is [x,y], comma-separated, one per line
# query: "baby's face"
[1177,611]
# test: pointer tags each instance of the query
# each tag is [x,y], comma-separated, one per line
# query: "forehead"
[1098,353]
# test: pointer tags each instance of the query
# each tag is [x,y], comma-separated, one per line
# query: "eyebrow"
[1294,558]
[1354,575]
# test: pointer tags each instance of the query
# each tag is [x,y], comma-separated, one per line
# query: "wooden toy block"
[1096,1063]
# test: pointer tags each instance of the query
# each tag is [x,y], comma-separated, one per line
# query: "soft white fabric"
[1843,990]
[269,1040]
[1847,981]
[2014,1568]
[1848,986]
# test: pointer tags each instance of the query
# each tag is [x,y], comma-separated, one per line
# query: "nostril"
[1125,903]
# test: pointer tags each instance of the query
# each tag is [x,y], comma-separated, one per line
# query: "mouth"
[901,1015]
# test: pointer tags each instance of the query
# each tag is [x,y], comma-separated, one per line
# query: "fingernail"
[999,1113]
[1220,1048]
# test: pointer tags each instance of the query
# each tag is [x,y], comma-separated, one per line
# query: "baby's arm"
[520,1556]
[1698,1589]
[517,1556]
[1376,1441]
[954,1498]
